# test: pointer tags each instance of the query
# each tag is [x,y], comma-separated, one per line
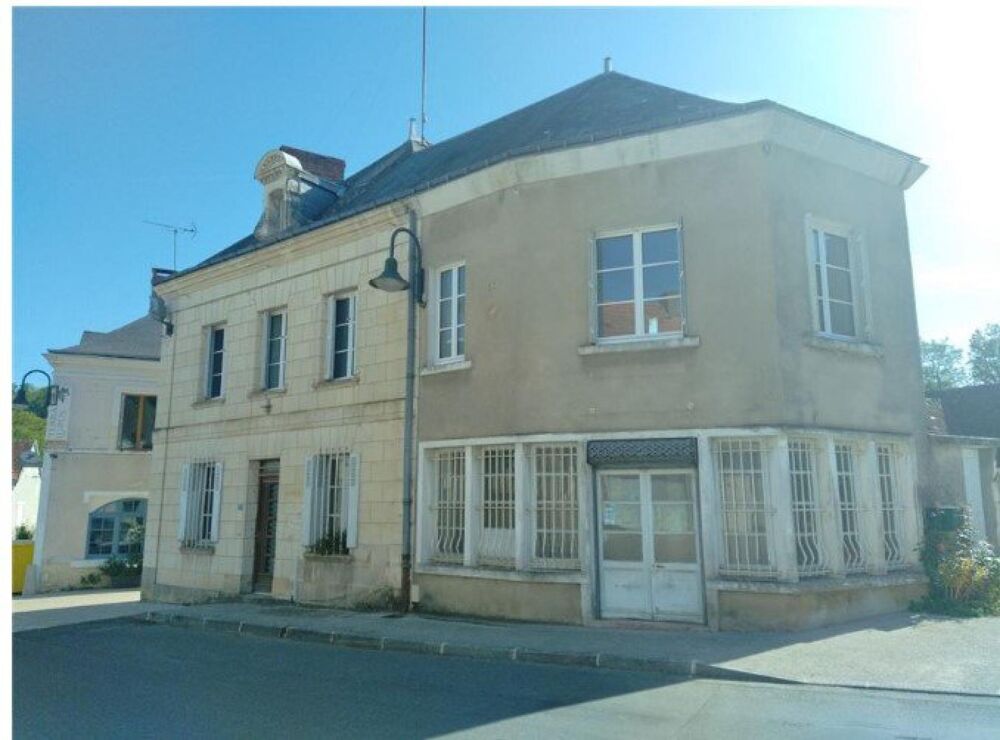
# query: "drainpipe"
[409,413]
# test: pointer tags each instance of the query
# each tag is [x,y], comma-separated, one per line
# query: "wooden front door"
[267,525]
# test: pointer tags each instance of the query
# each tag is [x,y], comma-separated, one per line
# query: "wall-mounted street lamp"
[391,281]
[53,393]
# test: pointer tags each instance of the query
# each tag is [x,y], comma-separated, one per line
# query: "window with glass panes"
[274,350]
[138,418]
[216,356]
[451,313]
[639,284]
[116,529]
[835,301]
[343,325]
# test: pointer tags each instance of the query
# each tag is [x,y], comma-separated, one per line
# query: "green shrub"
[91,580]
[24,532]
[964,572]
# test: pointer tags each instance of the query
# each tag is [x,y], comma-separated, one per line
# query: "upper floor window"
[343,336]
[638,281]
[833,282]
[138,417]
[449,301]
[275,324]
[214,386]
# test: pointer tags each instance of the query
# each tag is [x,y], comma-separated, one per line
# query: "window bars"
[331,481]
[888,478]
[557,508]
[809,555]
[850,530]
[448,506]
[200,499]
[495,541]
[741,477]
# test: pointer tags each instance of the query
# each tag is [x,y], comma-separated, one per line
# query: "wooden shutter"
[308,501]
[184,493]
[353,484]
[216,502]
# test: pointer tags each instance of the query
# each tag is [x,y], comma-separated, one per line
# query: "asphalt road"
[128,679]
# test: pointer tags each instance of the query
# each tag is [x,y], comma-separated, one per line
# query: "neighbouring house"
[964,425]
[27,485]
[98,442]
[668,370]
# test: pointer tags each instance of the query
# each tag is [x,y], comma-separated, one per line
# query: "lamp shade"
[390,280]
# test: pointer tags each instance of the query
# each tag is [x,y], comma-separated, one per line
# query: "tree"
[28,427]
[942,365]
[984,354]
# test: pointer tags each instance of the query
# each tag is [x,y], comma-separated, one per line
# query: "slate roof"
[608,106]
[973,411]
[330,168]
[137,340]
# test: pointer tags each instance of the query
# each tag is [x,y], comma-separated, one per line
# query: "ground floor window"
[503,506]
[331,503]
[742,486]
[200,501]
[117,529]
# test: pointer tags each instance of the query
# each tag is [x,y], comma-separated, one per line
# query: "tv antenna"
[423,73]
[192,230]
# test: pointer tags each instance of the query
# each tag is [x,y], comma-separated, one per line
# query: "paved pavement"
[54,610]
[132,679]
[899,651]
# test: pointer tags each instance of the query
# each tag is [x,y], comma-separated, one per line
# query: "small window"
[216,362]
[449,337]
[274,350]
[117,529]
[343,337]
[138,418]
[638,284]
[331,503]
[833,283]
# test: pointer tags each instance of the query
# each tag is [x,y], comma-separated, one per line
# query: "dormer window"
[299,186]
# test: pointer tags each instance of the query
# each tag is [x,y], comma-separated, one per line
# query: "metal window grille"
[495,544]
[809,554]
[200,510]
[448,506]
[891,509]
[557,507]
[328,522]
[850,531]
[742,481]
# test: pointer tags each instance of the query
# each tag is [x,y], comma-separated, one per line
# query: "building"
[964,460]
[98,441]
[668,369]
[27,481]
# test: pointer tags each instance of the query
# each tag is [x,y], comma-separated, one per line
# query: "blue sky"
[122,115]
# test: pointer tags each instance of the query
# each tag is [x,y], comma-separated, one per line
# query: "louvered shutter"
[353,485]
[216,502]
[183,494]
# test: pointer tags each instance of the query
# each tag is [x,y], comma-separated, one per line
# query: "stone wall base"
[497,598]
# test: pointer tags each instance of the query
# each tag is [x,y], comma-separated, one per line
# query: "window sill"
[267,392]
[497,574]
[197,549]
[204,402]
[336,382]
[639,345]
[316,557]
[824,583]
[446,367]
[847,345]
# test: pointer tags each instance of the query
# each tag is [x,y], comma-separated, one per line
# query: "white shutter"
[592,289]
[185,492]
[217,502]
[683,278]
[331,320]
[308,497]
[353,484]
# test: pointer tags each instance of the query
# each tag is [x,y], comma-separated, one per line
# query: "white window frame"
[331,334]
[283,339]
[207,364]
[434,338]
[318,497]
[858,272]
[195,497]
[638,298]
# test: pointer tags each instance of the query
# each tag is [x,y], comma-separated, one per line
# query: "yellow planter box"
[22,553]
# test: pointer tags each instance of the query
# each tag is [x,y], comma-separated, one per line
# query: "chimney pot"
[607,64]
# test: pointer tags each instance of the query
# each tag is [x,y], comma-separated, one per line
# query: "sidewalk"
[61,609]
[898,651]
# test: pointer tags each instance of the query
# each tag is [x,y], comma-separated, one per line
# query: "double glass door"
[649,546]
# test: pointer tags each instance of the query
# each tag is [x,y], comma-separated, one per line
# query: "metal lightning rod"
[192,230]
[423,75]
